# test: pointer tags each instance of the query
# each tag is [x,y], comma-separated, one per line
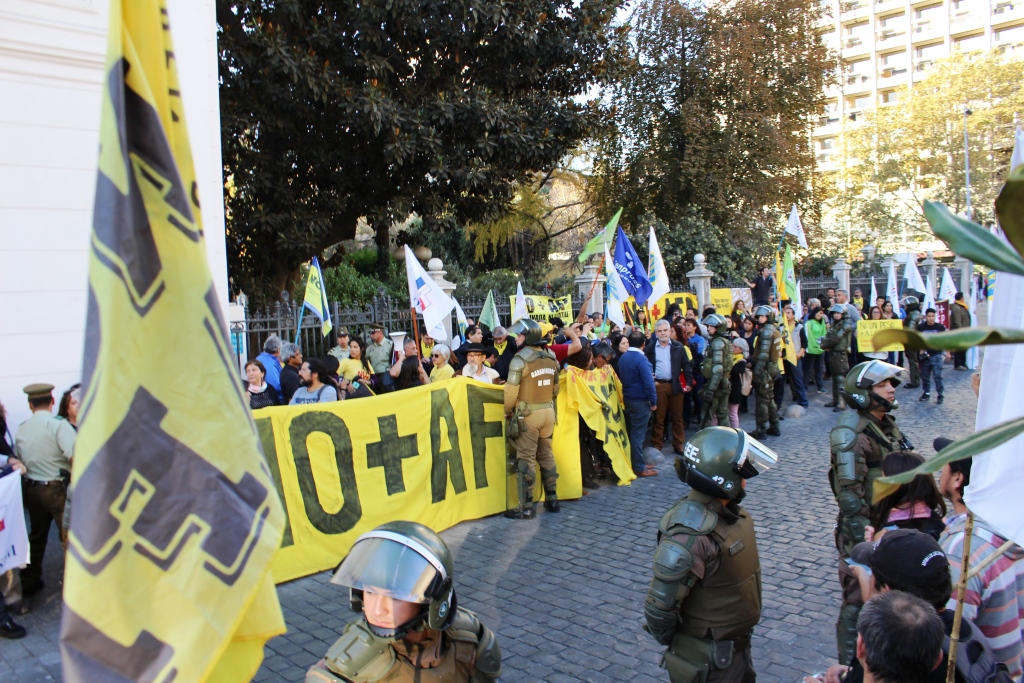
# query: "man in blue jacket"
[271,359]
[640,398]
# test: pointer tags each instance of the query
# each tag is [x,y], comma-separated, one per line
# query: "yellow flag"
[780,281]
[176,517]
[316,296]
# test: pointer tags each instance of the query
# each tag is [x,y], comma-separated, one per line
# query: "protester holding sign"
[12,523]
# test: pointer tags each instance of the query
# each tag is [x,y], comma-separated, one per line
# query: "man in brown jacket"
[959,317]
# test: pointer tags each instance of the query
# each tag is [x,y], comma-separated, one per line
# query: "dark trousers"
[838,367]
[44,504]
[931,367]
[814,370]
[638,414]
[796,383]
[590,447]
[672,405]
[959,359]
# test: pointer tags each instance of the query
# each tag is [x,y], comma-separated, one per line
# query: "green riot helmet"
[910,303]
[405,561]
[716,321]
[862,377]
[765,311]
[717,459]
[528,327]
[839,308]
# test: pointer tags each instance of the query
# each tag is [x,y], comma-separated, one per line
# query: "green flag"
[605,237]
[489,313]
[788,273]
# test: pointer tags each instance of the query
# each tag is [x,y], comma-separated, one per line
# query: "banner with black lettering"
[13,536]
[434,454]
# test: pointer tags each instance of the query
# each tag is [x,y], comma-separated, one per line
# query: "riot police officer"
[705,597]
[716,367]
[859,441]
[912,308]
[400,578]
[529,406]
[768,347]
[837,343]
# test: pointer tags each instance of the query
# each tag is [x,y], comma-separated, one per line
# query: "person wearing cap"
[340,350]
[859,441]
[378,354]
[704,598]
[913,562]
[412,629]
[474,368]
[45,444]
[992,599]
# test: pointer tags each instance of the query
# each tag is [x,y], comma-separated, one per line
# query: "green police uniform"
[705,594]
[837,343]
[716,368]
[859,442]
[409,562]
[45,444]
[768,347]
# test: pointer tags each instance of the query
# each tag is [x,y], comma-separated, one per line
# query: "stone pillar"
[931,269]
[841,272]
[584,282]
[435,269]
[700,280]
[966,273]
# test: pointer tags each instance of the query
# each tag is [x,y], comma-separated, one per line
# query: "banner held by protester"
[176,515]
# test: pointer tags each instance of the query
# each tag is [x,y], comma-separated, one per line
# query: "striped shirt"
[994,599]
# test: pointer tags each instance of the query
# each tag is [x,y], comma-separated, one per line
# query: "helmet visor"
[386,566]
[878,371]
[753,457]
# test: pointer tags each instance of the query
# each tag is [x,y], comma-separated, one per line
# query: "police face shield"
[389,564]
[753,457]
[879,371]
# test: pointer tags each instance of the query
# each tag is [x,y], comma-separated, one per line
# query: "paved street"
[564,592]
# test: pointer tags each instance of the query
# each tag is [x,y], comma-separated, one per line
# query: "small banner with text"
[867,329]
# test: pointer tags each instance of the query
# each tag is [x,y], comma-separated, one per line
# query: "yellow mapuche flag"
[176,517]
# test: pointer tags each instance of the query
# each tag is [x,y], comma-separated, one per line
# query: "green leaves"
[973,241]
[1010,209]
[957,340]
[976,443]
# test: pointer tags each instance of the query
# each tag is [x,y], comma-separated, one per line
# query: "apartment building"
[886,44]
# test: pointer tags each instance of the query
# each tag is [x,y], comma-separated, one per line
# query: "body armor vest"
[843,334]
[540,376]
[728,604]
[456,666]
[719,353]
[912,319]
[771,337]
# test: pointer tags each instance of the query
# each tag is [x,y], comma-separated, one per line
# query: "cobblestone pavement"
[565,592]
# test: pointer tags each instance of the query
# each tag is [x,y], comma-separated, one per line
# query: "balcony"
[853,10]
[927,30]
[891,77]
[854,46]
[966,22]
[894,34]
[923,65]
[886,5]
[857,79]
[1005,13]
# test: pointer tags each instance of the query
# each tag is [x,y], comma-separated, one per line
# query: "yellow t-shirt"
[444,372]
[350,368]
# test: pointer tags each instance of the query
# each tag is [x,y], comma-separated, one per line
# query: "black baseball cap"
[904,557]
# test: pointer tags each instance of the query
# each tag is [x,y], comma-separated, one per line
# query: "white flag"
[912,275]
[656,272]
[929,294]
[13,537]
[798,302]
[461,322]
[996,475]
[519,312]
[795,228]
[892,289]
[427,298]
[615,291]
[874,294]
[947,290]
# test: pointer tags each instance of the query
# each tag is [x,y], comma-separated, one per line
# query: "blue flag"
[632,271]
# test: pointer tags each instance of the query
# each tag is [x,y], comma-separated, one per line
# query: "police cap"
[39,391]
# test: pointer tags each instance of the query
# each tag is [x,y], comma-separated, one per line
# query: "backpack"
[747,382]
[974,659]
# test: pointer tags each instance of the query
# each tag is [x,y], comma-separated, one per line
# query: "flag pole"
[298,330]
[415,330]
[961,588]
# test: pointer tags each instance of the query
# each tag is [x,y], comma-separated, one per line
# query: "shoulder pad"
[517,362]
[359,655]
[466,627]
[688,517]
[465,620]
[844,434]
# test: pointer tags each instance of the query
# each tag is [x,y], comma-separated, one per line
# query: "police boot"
[774,430]
[760,434]
[550,477]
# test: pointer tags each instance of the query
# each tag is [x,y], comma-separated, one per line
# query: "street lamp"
[967,164]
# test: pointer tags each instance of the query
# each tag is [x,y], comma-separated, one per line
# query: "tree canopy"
[913,151]
[336,109]
[710,116]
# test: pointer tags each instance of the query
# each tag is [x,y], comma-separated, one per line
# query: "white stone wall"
[52,55]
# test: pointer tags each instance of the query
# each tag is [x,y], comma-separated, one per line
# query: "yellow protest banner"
[434,454]
[867,329]
[546,307]
[658,308]
[721,299]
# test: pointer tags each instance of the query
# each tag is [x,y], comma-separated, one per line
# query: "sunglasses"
[436,355]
